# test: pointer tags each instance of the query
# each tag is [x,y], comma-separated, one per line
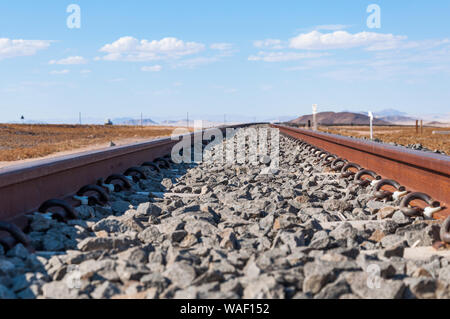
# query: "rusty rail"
[23,188]
[418,171]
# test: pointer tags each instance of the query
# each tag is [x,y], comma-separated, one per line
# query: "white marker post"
[314,107]
[371,124]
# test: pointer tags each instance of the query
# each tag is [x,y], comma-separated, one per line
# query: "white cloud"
[275,44]
[14,48]
[59,72]
[69,61]
[284,56]
[221,46]
[316,40]
[132,49]
[85,71]
[153,68]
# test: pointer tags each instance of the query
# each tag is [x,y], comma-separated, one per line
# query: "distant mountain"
[145,122]
[389,113]
[399,119]
[342,118]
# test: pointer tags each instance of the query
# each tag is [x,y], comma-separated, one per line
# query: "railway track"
[321,225]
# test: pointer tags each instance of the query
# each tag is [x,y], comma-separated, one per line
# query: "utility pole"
[79,116]
[371,125]
[187,120]
[141,120]
[314,107]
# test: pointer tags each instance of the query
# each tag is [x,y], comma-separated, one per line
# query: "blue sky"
[264,58]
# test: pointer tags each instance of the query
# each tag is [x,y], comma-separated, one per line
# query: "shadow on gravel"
[69,256]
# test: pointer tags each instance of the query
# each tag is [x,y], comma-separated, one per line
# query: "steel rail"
[418,171]
[23,188]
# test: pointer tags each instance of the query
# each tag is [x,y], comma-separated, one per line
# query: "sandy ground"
[79,150]
[25,143]
[401,135]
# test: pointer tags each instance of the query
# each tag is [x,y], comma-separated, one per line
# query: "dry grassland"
[403,135]
[20,142]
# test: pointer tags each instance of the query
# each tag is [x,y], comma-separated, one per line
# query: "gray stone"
[135,255]
[85,211]
[251,270]
[315,282]
[5,293]
[167,183]
[31,292]
[76,257]
[334,290]
[150,235]
[401,218]
[180,274]
[6,267]
[336,205]
[392,240]
[208,277]
[21,282]
[18,251]
[229,240]
[178,235]
[422,287]
[156,257]
[120,207]
[155,280]
[232,285]
[386,269]
[189,293]
[320,242]
[266,287]
[201,228]
[394,251]
[374,205]
[425,237]
[131,272]
[59,290]
[96,243]
[112,224]
[343,231]
[91,269]
[40,223]
[105,291]
[149,209]
[444,274]
[53,242]
[368,286]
